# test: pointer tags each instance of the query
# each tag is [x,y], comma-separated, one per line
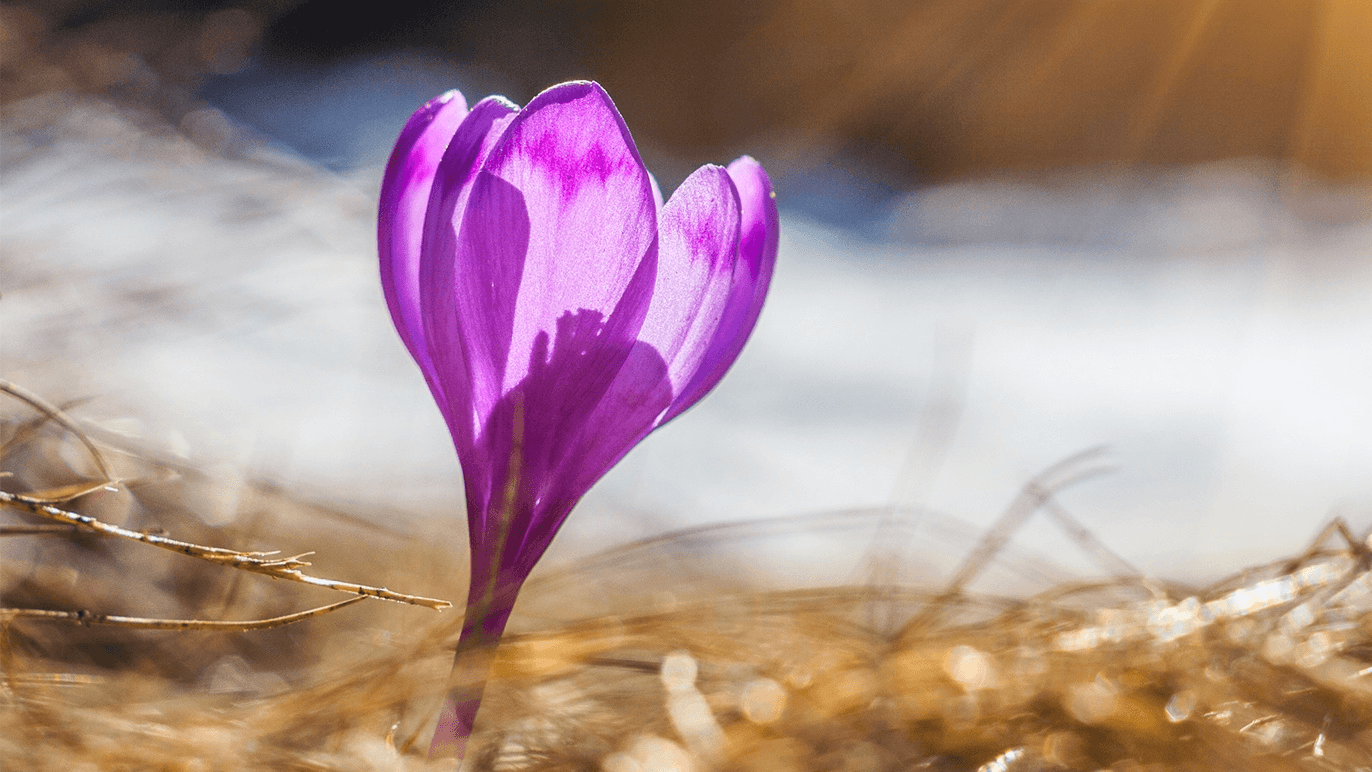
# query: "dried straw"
[653,656]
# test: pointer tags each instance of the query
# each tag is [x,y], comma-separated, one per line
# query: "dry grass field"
[668,654]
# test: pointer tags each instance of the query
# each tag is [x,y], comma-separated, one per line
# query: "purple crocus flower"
[560,311]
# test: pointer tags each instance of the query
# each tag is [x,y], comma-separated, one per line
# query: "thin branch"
[140,623]
[256,562]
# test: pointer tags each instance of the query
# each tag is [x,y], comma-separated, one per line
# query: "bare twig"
[256,562]
[88,618]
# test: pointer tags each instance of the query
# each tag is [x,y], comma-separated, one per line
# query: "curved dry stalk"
[1105,557]
[55,413]
[255,562]
[52,679]
[64,493]
[1032,497]
[141,623]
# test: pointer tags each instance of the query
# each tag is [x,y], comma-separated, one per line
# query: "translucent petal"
[453,181]
[590,207]
[405,192]
[698,236]
[758,238]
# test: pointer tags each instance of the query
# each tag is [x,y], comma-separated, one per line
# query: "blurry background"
[1012,230]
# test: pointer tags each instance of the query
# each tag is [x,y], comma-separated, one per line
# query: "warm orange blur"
[952,86]
[929,88]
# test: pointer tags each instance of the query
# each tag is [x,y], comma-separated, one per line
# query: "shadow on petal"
[470,291]
[483,280]
[626,414]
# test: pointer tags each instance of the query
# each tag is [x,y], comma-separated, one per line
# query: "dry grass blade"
[51,679]
[38,530]
[1033,496]
[141,623]
[1102,554]
[52,412]
[65,493]
[255,562]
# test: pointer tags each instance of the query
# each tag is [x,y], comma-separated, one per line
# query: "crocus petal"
[757,254]
[698,245]
[561,422]
[466,309]
[453,182]
[542,185]
[590,208]
[625,415]
[405,191]
[586,358]
[698,232]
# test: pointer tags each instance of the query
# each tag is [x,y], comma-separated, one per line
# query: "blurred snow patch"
[1208,325]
